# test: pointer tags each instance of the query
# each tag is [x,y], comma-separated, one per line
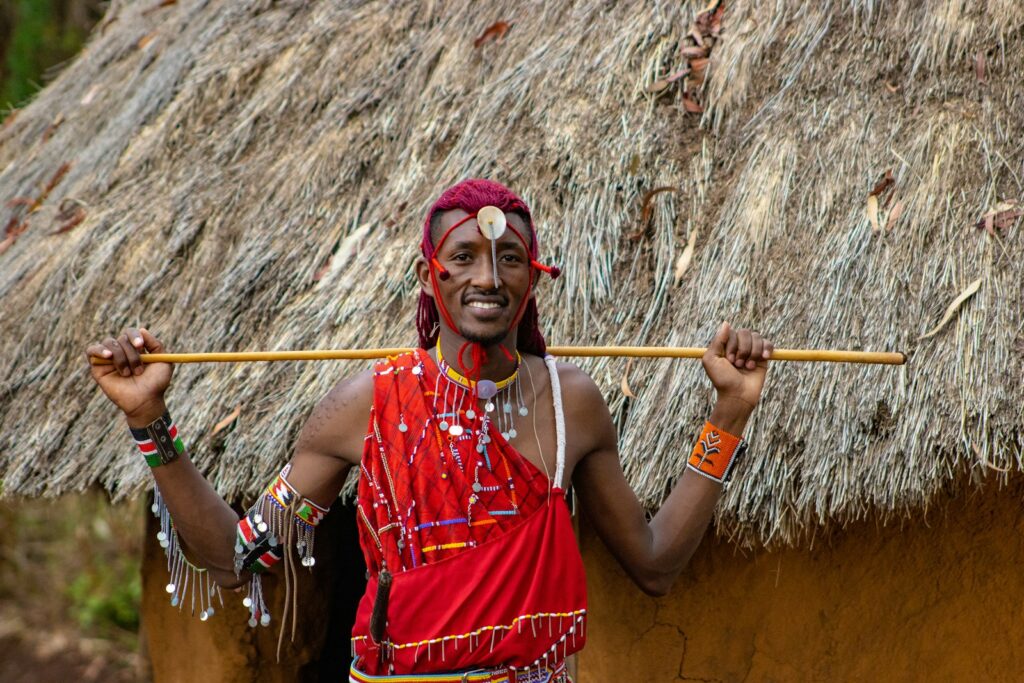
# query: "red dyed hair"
[472,195]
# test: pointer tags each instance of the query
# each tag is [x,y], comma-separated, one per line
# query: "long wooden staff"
[823,355]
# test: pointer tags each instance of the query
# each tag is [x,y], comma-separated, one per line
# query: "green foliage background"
[37,36]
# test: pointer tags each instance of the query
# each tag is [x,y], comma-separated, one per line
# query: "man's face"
[481,312]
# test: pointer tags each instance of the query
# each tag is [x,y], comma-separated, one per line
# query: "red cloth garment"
[486,571]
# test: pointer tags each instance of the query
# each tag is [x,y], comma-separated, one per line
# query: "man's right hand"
[135,387]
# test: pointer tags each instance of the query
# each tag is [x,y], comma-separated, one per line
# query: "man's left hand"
[736,361]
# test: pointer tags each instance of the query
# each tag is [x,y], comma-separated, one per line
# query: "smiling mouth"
[484,305]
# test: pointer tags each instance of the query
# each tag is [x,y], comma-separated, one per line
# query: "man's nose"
[485,276]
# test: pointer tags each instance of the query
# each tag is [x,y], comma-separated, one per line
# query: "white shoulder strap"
[556,395]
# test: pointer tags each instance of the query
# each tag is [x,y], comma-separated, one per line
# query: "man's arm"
[654,553]
[330,442]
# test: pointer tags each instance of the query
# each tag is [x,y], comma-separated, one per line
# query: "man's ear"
[423,275]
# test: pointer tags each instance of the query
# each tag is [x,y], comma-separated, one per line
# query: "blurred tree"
[35,37]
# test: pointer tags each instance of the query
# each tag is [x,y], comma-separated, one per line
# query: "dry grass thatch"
[221,151]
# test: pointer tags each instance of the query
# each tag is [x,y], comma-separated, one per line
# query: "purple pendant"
[486,389]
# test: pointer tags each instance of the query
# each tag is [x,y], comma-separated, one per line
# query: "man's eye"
[511,258]
[460,257]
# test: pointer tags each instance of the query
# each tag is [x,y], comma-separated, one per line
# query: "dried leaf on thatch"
[72,212]
[160,5]
[624,383]
[662,83]
[951,310]
[883,185]
[894,215]
[55,180]
[872,211]
[684,259]
[979,66]
[1000,218]
[495,31]
[231,417]
[691,105]
[147,39]
[647,206]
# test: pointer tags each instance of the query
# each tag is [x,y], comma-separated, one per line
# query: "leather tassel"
[379,616]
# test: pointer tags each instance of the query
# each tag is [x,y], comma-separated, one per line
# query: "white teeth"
[483,304]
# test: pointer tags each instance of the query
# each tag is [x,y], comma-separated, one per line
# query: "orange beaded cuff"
[715,452]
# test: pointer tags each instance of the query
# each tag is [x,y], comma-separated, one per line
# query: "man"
[471,440]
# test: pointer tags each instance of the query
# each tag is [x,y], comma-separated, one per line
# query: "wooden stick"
[824,355]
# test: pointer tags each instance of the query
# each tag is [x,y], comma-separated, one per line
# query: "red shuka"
[486,568]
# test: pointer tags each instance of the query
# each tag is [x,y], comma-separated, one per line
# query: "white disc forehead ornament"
[491,221]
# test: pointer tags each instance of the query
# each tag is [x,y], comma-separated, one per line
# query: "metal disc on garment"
[477,487]
[257,518]
[479,448]
[512,433]
[489,407]
[238,549]
[252,622]
[203,616]
[492,222]
[470,414]
[486,389]
[504,435]
[247,602]
[265,620]
[456,430]
[169,588]
[174,600]
[161,536]
[272,541]
[209,610]
[402,427]
[507,407]
[416,369]
[155,508]
[523,411]
[443,425]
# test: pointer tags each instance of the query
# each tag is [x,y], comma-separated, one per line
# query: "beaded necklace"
[503,398]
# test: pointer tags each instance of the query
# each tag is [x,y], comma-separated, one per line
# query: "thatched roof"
[222,150]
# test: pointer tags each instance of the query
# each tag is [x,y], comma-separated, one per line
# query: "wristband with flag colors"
[159,441]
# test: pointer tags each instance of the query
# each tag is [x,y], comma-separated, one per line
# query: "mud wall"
[223,649]
[938,597]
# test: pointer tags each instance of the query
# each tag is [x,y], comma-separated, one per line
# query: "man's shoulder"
[577,385]
[351,394]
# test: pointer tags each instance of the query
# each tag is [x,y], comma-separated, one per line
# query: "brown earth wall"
[937,598]
[223,649]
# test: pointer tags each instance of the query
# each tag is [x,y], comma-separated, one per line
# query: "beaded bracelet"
[281,518]
[158,441]
[715,452]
